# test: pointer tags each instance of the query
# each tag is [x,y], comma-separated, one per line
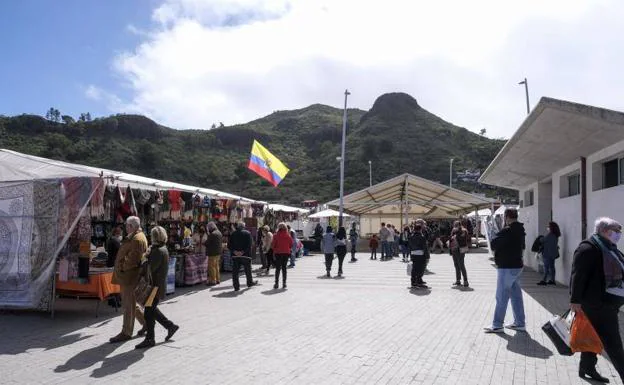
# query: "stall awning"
[287,209]
[555,135]
[15,166]
[412,195]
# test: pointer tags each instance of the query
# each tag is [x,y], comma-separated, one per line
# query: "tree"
[213,126]
[221,125]
[53,115]
[68,119]
[85,117]
[482,132]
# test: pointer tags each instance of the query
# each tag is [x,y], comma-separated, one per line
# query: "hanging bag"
[583,337]
[144,291]
[558,330]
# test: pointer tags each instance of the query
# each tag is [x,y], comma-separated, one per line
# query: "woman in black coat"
[596,289]
[158,264]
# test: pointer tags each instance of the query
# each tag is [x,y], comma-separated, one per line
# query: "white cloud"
[112,101]
[236,60]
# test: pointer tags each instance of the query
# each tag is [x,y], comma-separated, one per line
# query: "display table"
[191,269]
[99,286]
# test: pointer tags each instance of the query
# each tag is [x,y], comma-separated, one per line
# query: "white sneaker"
[516,328]
[493,330]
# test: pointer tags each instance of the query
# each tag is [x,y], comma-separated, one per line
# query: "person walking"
[267,247]
[341,247]
[596,290]
[458,249]
[158,265]
[240,246]
[508,245]
[126,274]
[328,244]
[214,249]
[373,244]
[384,233]
[353,238]
[550,252]
[404,243]
[282,246]
[293,249]
[419,252]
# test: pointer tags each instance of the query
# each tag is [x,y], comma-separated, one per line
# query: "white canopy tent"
[329,213]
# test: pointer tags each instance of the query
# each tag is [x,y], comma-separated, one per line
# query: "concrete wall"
[529,216]
[567,213]
[604,202]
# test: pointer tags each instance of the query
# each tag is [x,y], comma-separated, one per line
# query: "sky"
[191,63]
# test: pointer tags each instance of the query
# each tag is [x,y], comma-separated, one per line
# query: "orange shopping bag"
[583,337]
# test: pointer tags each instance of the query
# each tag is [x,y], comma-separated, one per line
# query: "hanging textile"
[97,202]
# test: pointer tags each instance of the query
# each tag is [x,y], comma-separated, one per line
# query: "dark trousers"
[153,314]
[237,262]
[460,266]
[353,250]
[329,258]
[418,269]
[605,321]
[341,252]
[281,262]
[373,253]
[269,260]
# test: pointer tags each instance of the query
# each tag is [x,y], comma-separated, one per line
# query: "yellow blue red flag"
[265,164]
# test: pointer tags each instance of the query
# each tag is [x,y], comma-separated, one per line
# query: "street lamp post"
[451,174]
[526,91]
[342,158]
[370,174]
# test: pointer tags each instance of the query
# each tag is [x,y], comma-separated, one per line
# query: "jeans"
[549,268]
[405,250]
[508,288]
[269,260]
[237,262]
[280,266]
[460,266]
[373,253]
[384,249]
[153,314]
[604,319]
[353,249]
[293,255]
[329,258]
[341,251]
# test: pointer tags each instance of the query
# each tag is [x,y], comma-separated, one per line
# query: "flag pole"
[342,158]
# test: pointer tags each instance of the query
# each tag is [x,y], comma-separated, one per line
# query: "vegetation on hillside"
[396,135]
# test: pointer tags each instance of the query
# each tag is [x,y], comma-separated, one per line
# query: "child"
[373,244]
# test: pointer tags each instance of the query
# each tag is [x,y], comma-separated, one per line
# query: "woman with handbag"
[549,249]
[596,289]
[458,249]
[155,270]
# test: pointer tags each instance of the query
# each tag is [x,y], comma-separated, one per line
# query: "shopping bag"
[409,268]
[558,330]
[144,287]
[583,337]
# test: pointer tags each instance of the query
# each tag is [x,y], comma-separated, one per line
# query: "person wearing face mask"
[112,246]
[597,289]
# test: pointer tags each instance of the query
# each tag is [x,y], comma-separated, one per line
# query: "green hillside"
[397,135]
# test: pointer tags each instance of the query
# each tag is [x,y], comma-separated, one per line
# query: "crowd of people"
[596,284]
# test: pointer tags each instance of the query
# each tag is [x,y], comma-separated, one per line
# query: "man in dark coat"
[240,244]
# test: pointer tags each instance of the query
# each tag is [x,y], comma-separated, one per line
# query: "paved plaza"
[366,328]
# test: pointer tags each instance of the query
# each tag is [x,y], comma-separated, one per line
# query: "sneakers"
[493,330]
[516,328]
[542,283]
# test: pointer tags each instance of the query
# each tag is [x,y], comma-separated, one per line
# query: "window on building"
[574,185]
[610,173]
[528,198]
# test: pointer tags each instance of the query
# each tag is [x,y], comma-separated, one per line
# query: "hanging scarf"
[613,262]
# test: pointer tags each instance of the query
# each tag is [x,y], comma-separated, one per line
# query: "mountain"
[397,135]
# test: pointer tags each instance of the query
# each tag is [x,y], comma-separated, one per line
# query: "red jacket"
[282,242]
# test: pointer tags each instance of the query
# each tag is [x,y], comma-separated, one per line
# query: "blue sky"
[191,63]
[52,50]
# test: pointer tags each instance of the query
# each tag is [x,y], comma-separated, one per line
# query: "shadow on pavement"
[119,363]
[231,294]
[323,277]
[274,291]
[87,358]
[337,277]
[420,292]
[462,288]
[522,343]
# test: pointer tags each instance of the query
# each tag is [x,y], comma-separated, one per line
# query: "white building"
[567,162]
